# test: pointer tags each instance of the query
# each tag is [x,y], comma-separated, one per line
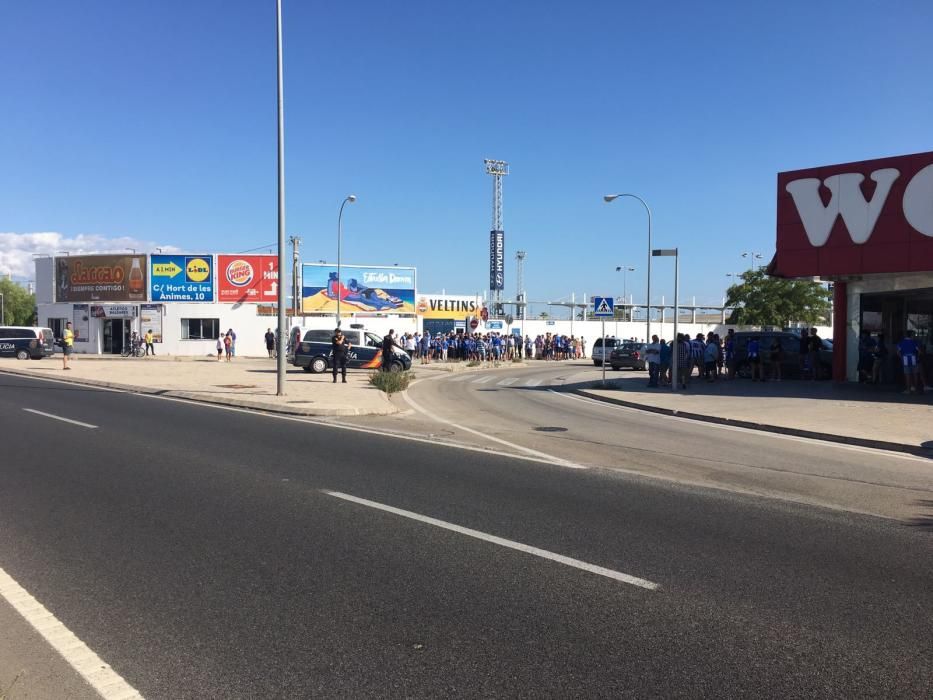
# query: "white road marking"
[533,382]
[107,682]
[462,378]
[507,382]
[542,456]
[484,379]
[66,420]
[511,544]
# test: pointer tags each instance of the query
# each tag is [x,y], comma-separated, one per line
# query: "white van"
[599,353]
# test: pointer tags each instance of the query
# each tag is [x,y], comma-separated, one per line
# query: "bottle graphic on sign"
[135,284]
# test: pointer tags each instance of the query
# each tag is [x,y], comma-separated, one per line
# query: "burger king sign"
[252,278]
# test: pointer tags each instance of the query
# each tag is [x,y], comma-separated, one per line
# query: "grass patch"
[516,359]
[390,382]
[473,363]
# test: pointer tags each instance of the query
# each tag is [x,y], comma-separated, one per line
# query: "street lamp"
[623,269]
[664,253]
[132,250]
[754,257]
[608,198]
[350,198]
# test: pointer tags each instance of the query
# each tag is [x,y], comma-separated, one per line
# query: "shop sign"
[150,319]
[100,278]
[372,290]
[113,311]
[447,306]
[181,277]
[857,218]
[247,278]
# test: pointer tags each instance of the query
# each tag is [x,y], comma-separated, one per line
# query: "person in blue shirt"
[754,358]
[666,353]
[909,352]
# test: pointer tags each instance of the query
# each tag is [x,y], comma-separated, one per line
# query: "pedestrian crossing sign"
[602,307]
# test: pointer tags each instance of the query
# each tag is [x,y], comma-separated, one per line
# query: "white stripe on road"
[507,382]
[533,382]
[462,378]
[528,549]
[66,420]
[483,380]
[107,682]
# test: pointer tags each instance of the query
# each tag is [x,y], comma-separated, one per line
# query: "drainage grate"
[550,429]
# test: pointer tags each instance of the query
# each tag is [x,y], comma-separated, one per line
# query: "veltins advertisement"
[251,278]
[387,290]
[181,277]
[448,306]
[150,319]
[100,278]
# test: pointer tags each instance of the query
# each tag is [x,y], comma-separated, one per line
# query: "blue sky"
[155,122]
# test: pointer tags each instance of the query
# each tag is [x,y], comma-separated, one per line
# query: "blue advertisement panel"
[388,290]
[181,277]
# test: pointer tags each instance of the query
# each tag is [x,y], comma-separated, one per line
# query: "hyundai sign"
[497,260]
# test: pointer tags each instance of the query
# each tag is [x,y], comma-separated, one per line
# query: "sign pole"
[604,351]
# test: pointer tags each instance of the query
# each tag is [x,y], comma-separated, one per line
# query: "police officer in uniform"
[340,350]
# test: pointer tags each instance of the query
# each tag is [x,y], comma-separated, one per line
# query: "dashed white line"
[107,682]
[533,382]
[66,420]
[483,380]
[507,382]
[502,542]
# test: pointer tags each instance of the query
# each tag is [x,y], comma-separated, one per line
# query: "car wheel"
[306,368]
[616,368]
[396,367]
[597,363]
[318,365]
[22,355]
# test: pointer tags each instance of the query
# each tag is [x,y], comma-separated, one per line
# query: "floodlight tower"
[498,169]
[520,280]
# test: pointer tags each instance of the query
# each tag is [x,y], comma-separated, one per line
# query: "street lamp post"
[609,198]
[623,269]
[663,253]
[754,256]
[280,156]
[350,198]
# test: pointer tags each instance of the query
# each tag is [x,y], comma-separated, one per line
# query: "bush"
[473,363]
[390,382]
[516,359]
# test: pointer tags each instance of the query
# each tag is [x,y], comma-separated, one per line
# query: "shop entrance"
[116,335]
[890,315]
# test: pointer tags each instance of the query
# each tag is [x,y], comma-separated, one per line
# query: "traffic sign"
[474,324]
[602,307]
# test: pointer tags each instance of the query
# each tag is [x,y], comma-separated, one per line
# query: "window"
[58,326]
[373,340]
[318,336]
[200,328]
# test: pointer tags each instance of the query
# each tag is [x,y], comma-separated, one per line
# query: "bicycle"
[133,349]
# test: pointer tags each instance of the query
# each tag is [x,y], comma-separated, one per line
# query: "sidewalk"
[245,382]
[848,413]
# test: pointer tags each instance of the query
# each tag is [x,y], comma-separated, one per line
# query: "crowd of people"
[490,347]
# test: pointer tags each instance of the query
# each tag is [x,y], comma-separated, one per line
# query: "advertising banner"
[181,277]
[497,260]
[150,319]
[448,306]
[379,290]
[100,278]
[113,311]
[81,322]
[250,278]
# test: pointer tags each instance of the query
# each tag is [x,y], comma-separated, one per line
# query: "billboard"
[181,277]
[150,319]
[868,217]
[250,278]
[101,278]
[448,306]
[497,260]
[388,290]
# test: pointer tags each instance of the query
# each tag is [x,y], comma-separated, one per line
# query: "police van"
[311,350]
[24,342]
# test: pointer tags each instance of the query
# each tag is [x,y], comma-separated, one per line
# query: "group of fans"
[490,347]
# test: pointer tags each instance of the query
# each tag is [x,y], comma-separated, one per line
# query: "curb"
[207,398]
[915,450]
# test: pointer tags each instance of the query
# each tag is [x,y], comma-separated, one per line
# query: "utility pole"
[296,276]
[498,169]
[520,281]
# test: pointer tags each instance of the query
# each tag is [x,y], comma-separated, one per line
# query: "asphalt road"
[200,552]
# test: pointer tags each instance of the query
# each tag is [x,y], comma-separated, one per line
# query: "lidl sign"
[181,277]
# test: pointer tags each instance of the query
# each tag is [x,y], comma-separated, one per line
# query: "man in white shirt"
[653,357]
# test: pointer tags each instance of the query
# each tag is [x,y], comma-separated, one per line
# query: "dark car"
[313,352]
[791,364]
[630,355]
[24,342]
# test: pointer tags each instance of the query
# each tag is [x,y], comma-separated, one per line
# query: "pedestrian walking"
[388,350]
[149,345]
[814,345]
[909,352]
[653,357]
[68,342]
[232,337]
[220,347]
[270,342]
[228,346]
[340,352]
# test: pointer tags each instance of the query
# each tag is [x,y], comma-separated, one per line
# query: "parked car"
[24,342]
[791,365]
[600,353]
[628,354]
[313,352]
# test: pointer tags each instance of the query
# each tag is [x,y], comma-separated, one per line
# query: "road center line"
[66,420]
[528,549]
[107,682]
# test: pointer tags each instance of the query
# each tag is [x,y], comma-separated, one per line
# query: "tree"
[761,300]
[19,306]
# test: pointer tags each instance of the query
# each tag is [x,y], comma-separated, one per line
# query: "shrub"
[473,363]
[390,382]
